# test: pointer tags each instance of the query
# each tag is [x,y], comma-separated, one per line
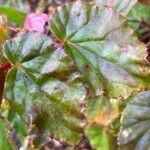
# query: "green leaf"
[103,118]
[105,49]
[3,37]
[15,121]
[121,6]
[99,138]
[135,121]
[139,17]
[44,87]
[6,141]
[14,16]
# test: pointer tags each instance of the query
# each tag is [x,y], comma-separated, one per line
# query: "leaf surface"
[105,49]
[44,87]
[135,122]
[99,138]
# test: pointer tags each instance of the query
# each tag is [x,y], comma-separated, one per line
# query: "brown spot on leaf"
[106,117]
[107,114]
[78,14]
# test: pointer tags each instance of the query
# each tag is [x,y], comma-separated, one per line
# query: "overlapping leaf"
[104,48]
[103,113]
[135,131]
[6,141]
[121,6]
[138,18]
[15,121]
[44,87]
[99,138]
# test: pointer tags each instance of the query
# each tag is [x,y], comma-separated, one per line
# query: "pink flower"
[35,22]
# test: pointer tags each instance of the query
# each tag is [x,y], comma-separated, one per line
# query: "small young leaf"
[139,17]
[19,5]
[44,87]
[135,121]
[99,138]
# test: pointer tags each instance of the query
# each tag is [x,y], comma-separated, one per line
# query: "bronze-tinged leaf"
[102,111]
[44,87]
[104,47]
